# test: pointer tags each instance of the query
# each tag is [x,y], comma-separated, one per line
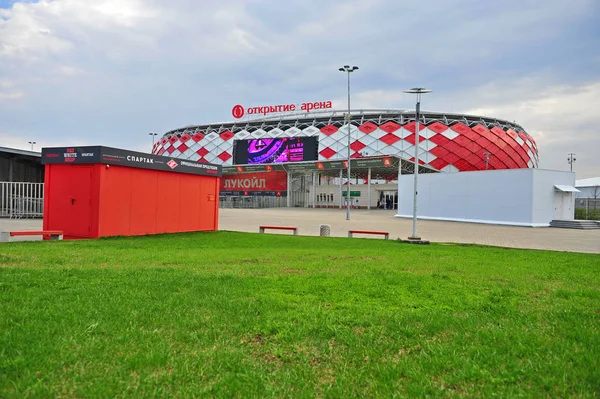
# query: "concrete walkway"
[308,221]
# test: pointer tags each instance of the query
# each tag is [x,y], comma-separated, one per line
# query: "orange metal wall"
[142,201]
[128,201]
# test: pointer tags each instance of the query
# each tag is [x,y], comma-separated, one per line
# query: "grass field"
[243,315]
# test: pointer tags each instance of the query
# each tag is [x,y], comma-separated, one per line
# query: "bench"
[261,229]
[46,234]
[383,233]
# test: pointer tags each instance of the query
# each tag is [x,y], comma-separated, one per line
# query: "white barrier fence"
[21,200]
[252,202]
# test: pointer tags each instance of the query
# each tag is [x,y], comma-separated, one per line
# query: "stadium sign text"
[245,183]
[133,158]
[259,181]
[239,111]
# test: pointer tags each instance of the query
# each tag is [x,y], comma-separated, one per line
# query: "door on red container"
[208,204]
[79,201]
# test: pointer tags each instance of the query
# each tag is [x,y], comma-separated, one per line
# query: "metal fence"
[21,200]
[252,202]
[587,208]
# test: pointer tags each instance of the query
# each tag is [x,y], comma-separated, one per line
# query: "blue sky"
[6,3]
[110,71]
[9,3]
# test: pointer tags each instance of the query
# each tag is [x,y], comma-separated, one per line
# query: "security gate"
[300,195]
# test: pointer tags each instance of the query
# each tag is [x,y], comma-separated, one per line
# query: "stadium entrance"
[388,200]
[316,184]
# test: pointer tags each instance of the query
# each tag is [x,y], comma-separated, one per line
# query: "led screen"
[279,150]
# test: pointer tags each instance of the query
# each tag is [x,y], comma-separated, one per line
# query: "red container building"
[93,192]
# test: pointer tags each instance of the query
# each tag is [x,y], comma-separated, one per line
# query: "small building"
[588,188]
[99,191]
[20,166]
[21,183]
[519,197]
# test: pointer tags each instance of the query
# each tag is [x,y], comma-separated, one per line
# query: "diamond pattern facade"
[448,143]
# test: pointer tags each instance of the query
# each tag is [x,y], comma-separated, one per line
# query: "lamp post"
[418,91]
[348,70]
[487,159]
[32,143]
[153,135]
[571,159]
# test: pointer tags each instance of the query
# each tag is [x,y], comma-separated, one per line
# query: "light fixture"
[418,91]
[348,70]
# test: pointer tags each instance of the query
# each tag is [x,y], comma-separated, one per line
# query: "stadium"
[381,142]
[448,142]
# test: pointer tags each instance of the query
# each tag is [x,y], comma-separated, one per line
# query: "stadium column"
[314,190]
[369,188]
[289,189]
[398,188]
[341,188]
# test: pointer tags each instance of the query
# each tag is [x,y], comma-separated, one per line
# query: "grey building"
[20,166]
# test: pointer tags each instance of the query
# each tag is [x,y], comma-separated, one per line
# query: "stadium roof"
[591,182]
[402,116]
[20,152]
[339,114]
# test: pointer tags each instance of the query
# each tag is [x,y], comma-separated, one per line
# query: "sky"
[108,72]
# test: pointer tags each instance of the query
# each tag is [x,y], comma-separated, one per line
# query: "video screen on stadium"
[279,150]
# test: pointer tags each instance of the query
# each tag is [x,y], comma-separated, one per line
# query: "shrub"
[592,214]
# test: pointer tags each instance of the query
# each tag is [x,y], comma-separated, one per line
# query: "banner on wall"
[253,184]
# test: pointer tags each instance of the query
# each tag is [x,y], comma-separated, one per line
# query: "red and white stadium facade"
[448,142]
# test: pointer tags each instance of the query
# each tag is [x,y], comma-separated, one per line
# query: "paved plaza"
[308,221]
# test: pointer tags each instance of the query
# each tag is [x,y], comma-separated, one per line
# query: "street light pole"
[348,70]
[418,91]
[153,135]
[32,143]
[571,159]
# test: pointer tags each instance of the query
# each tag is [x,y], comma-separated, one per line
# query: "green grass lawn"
[243,315]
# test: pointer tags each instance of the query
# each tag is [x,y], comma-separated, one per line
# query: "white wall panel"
[515,197]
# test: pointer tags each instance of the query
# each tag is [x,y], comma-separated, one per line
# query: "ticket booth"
[97,191]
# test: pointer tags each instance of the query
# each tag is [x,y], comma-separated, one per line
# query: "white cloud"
[35,31]
[562,119]
[11,95]
[8,91]
[110,71]
[24,36]
[21,141]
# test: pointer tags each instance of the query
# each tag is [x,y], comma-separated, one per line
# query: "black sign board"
[381,162]
[116,156]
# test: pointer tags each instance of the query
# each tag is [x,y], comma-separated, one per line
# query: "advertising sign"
[260,183]
[116,156]
[238,111]
[275,150]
